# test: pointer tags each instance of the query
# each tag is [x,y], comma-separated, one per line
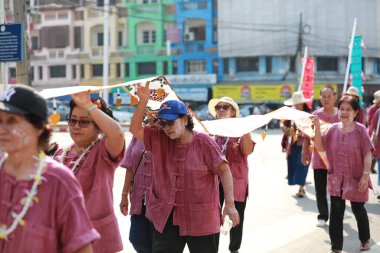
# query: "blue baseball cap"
[171,109]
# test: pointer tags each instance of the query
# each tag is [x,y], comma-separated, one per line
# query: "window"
[327,64]
[215,65]
[120,39]
[165,36]
[74,69]
[149,37]
[58,71]
[292,64]
[118,70]
[35,43]
[126,69]
[226,67]
[146,68]
[99,39]
[97,70]
[175,67]
[377,66]
[40,73]
[82,71]
[12,72]
[166,68]
[195,67]
[77,37]
[247,64]
[268,64]
[32,73]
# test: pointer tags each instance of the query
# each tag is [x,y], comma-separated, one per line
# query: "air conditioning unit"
[189,36]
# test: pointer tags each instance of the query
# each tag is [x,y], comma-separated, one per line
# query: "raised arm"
[229,207]
[318,137]
[248,144]
[136,127]
[112,130]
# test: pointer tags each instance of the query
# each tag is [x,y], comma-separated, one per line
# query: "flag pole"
[303,69]
[349,56]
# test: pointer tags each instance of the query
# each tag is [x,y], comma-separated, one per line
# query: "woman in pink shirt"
[137,184]
[184,201]
[41,203]
[329,114]
[236,150]
[97,151]
[376,142]
[348,149]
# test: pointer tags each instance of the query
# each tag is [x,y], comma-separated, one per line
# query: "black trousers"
[338,205]
[236,233]
[320,181]
[171,242]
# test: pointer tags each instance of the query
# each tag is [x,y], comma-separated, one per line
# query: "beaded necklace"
[74,169]
[27,201]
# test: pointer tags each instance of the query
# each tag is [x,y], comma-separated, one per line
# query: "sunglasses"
[165,123]
[82,122]
[220,107]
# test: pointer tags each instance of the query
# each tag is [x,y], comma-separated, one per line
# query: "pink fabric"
[376,153]
[57,223]
[361,116]
[238,164]
[316,160]
[345,153]
[184,180]
[96,176]
[371,112]
[137,159]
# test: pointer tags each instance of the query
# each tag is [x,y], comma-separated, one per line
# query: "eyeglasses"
[165,123]
[224,107]
[82,122]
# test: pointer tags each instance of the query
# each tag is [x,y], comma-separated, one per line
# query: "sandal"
[300,193]
[365,246]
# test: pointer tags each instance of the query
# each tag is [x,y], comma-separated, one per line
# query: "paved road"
[276,220]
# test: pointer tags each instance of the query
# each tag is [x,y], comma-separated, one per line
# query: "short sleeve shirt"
[58,222]
[96,176]
[345,153]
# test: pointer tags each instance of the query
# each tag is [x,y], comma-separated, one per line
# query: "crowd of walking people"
[180,185]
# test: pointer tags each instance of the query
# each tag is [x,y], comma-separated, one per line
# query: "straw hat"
[377,97]
[296,99]
[213,102]
[353,91]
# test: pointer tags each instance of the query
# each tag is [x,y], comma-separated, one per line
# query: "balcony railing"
[56,53]
[97,52]
[194,46]
[145,49]
[195,5]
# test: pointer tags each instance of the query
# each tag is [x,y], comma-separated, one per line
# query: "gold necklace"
[27,201]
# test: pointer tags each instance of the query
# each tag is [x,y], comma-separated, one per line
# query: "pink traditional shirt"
[238,161]
[316,160]
[58,222]
[371,112]
[376,153]
[96,176]
[139,162]
[345,153]
[185,181]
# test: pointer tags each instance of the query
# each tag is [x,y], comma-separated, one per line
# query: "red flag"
[308,81]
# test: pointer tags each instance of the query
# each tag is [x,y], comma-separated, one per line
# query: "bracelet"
[366,172]
[91,108]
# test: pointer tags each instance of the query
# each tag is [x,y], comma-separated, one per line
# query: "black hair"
[38,123]
[103,107]
[190,121]
[351,101]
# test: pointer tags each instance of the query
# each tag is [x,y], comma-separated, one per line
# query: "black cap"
[24,100]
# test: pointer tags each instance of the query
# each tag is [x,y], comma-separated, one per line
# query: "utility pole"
[298,50]
[4,65]
[22,67]
[106,43]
